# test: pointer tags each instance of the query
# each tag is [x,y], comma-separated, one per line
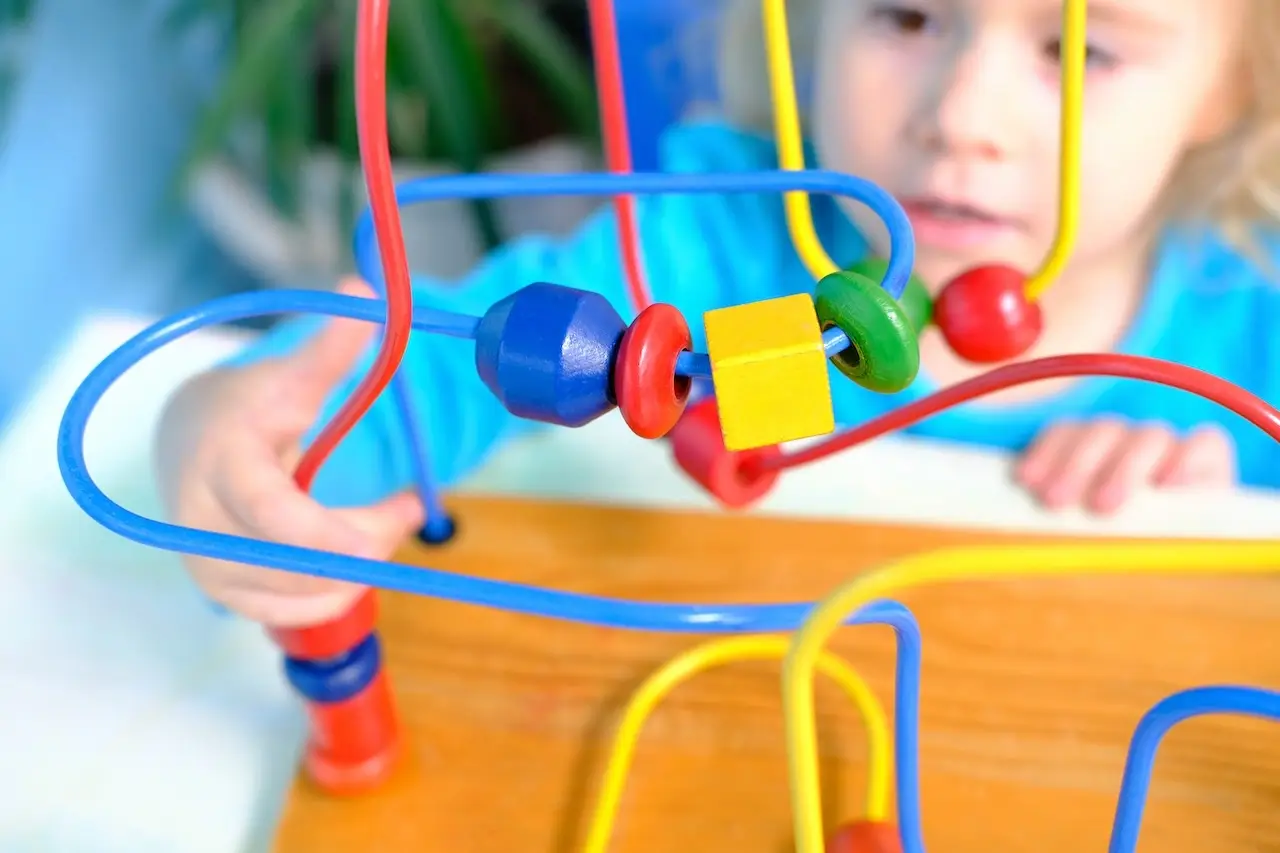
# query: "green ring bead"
[915,298]
[883,354]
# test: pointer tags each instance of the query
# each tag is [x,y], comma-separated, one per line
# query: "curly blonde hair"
[1233,183]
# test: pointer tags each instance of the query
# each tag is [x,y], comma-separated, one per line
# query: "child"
[952,106]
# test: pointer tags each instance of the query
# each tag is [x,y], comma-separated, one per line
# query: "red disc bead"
[865,836]
[985,315]
[650,395]
[333,638]
[354,743]
[698,445]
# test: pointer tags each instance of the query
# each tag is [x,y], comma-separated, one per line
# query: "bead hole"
[850,356]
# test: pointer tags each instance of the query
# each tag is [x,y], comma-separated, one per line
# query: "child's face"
[952,106]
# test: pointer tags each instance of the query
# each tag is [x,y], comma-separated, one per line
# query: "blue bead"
[547,352]
[336,679]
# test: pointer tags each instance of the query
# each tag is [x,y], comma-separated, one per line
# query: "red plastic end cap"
[985,315]
[865,836]
[698,445]
[320,642]
[354,743]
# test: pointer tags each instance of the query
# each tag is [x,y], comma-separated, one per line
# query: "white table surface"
[137,719]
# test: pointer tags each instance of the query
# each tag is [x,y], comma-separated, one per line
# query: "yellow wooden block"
[770,372]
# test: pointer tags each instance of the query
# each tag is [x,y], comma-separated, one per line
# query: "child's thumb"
[331,354]
[385,526]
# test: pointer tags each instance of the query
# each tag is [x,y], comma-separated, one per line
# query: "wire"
[716,653]
[467,187]
[391,277]
[1072,59]
[786,119]
[1155,724]
[982,563]
[617,141]
[1206,385]
[791,149]
[371,118]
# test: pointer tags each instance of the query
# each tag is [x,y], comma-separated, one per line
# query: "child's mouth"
[953,225]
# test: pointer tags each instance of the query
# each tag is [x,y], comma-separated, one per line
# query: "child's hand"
[227,447]
[1100,465]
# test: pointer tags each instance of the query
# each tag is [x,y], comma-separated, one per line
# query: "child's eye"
[903,18]
[1094,57]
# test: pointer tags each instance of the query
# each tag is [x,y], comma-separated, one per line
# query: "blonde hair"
[1233,183]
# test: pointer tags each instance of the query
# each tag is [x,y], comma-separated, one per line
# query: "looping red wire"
[375,155]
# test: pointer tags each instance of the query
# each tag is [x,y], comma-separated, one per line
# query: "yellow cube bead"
[770,372]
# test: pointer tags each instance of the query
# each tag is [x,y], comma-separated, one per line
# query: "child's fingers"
[1131,465]
[1076,461]
[1043,457]
[1206,457]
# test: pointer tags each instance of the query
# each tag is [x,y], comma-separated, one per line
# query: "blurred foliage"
[452,68]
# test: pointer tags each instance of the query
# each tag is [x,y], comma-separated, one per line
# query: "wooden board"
[1031,692]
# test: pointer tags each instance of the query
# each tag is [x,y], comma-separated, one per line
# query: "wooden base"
[1031,693]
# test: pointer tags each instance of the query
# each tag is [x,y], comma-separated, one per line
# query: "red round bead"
[698,445]
[321,642]
[354,743]
[985,315]
[865,836]
[650,395]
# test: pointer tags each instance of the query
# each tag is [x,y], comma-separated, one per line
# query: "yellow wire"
[717,653]
[791,150]
[1072,62]
[786,119]
[1174,558]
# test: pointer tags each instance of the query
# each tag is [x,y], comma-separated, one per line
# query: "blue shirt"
[1207,307]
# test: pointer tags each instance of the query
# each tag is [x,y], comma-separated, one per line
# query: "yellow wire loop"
[786,116]
[716,653]
[986,563]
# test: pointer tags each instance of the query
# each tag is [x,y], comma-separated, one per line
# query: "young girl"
[950,105]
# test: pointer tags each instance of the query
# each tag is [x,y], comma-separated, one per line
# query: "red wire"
[375,154]
[1248,406]
[613,109]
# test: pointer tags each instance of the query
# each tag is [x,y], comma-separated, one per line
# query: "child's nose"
[970,115]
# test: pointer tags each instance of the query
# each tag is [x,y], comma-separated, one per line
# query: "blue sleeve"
[698,253]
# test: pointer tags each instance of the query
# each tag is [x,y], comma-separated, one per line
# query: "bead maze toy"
[566,357]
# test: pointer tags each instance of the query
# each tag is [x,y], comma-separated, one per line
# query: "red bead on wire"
[698,445]
[865,836]
[985,315]
[650,395]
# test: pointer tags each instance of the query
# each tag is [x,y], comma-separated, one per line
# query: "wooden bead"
[698,446]
[985,315]
[335,679]
[354,743]
[650,395]
[865,836]
[915,299]
[331,639]
[769,366]
[547,353]
[883,353]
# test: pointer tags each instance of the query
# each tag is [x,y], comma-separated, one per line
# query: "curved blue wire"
[1155,724]
[816,181]
[369,267]
[512,597]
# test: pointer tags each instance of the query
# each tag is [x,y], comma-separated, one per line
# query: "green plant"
[290,84]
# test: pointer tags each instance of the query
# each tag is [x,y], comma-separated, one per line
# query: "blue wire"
[369,267]
[439,525]
[1196,702]
[817,181]
[511,597]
